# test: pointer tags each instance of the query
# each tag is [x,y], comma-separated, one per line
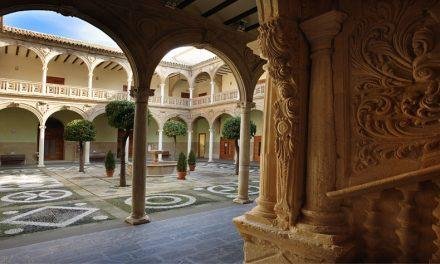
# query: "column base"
[210,160]
[242,200]
[137,221]
[41,166]
[269,244]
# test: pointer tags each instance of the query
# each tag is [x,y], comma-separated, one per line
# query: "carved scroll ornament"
[396,77]
[277,47]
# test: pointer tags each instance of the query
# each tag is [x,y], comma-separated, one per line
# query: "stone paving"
[207,237]
[58,196]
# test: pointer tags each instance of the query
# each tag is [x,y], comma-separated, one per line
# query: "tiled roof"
[60,40]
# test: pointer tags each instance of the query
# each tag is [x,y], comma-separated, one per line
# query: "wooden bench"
[12,159]
[166,154]
[97,157]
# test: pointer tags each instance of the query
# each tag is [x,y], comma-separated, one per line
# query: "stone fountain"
[157,168]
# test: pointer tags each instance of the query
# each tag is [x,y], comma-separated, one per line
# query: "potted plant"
[181,166]
[192,160]
[110,164]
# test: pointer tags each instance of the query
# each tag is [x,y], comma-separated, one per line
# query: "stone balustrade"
[21,87]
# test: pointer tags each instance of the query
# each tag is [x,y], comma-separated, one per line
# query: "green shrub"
[81,131]
[191,158]
[110,162]
[181,163]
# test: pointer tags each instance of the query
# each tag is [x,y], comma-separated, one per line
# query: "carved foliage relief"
[278,47]
[395,56]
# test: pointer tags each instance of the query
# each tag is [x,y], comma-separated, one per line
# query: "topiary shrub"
[173,128]
[191,158]
[110,162]
[181,163]
[81,131]
[231,130]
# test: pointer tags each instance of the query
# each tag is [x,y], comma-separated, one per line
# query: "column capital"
[189,131]
[160,130]
[246,105]
[91,74]
[42,127]
[321,30]
[141,95]
[211,130]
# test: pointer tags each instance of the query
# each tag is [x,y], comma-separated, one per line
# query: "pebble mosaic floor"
[33,200]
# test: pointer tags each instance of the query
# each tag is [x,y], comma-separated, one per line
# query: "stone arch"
[245,76]
[95,112]
[25,106]
[171,88]
[215,117]
[196,74]
[126,35]
[63,107]
[200,115]
[66,59]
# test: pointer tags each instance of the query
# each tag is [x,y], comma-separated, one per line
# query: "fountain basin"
[157,169]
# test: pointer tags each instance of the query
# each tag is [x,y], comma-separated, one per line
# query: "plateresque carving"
[278,47]
[396,80]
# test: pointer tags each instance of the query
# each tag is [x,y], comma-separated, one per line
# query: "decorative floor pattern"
[48,217]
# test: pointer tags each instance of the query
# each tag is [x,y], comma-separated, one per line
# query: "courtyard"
[53,201]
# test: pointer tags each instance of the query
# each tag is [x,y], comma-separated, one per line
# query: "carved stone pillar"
[244,159]
[212,91]
[162,93]
[191,95]
[44,78]
[41,146]
[127,149]
[90,84]
[87,152]
[138,215]
[189,140]
[211,143]
[129,82]
[321,212]
[264,211]
[408,220]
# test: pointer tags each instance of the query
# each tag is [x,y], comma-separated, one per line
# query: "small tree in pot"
[173,128]
[181,166]
[110,163]
[81,131]
[231,130]
[192,160]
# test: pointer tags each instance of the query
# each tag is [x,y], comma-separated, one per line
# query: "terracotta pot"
[110,173]
[192,167]
[181,175]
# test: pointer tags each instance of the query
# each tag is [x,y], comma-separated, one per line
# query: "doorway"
[227,149]
[201,147]
[54,140]
[257,148]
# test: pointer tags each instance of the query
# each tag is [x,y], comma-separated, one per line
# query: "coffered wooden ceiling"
[238,14]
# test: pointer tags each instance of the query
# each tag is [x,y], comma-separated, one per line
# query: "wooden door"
[201,145]
[227,149]
[54,140]
[257,148]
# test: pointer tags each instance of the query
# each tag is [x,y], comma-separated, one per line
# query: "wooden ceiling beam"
[56,58]
[6,50]
[68,56]
[185,3]
[108,65]
[117,65]
[238,17]
[252,27]
[17,50]
[73,62]
[218,8]
[27,52]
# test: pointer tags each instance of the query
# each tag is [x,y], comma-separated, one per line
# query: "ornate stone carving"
[395,57]
[278,47]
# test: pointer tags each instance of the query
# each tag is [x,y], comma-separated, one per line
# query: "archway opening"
[224,149]
[20,65]
[201,132]
[105,140]
[66,69]
[18,133]
[110,75]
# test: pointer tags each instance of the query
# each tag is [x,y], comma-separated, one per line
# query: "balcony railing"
[11,86]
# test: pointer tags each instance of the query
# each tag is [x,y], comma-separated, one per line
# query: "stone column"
[211,143]
[160,143]
[127,149]
[264,211]
[244,158]
[41,146]
[212,91]
[162,93]
[189,140]
[44,78]
[129,81]
[87,152]
[320,211]
[90,84]
[191,95]
[138,215]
